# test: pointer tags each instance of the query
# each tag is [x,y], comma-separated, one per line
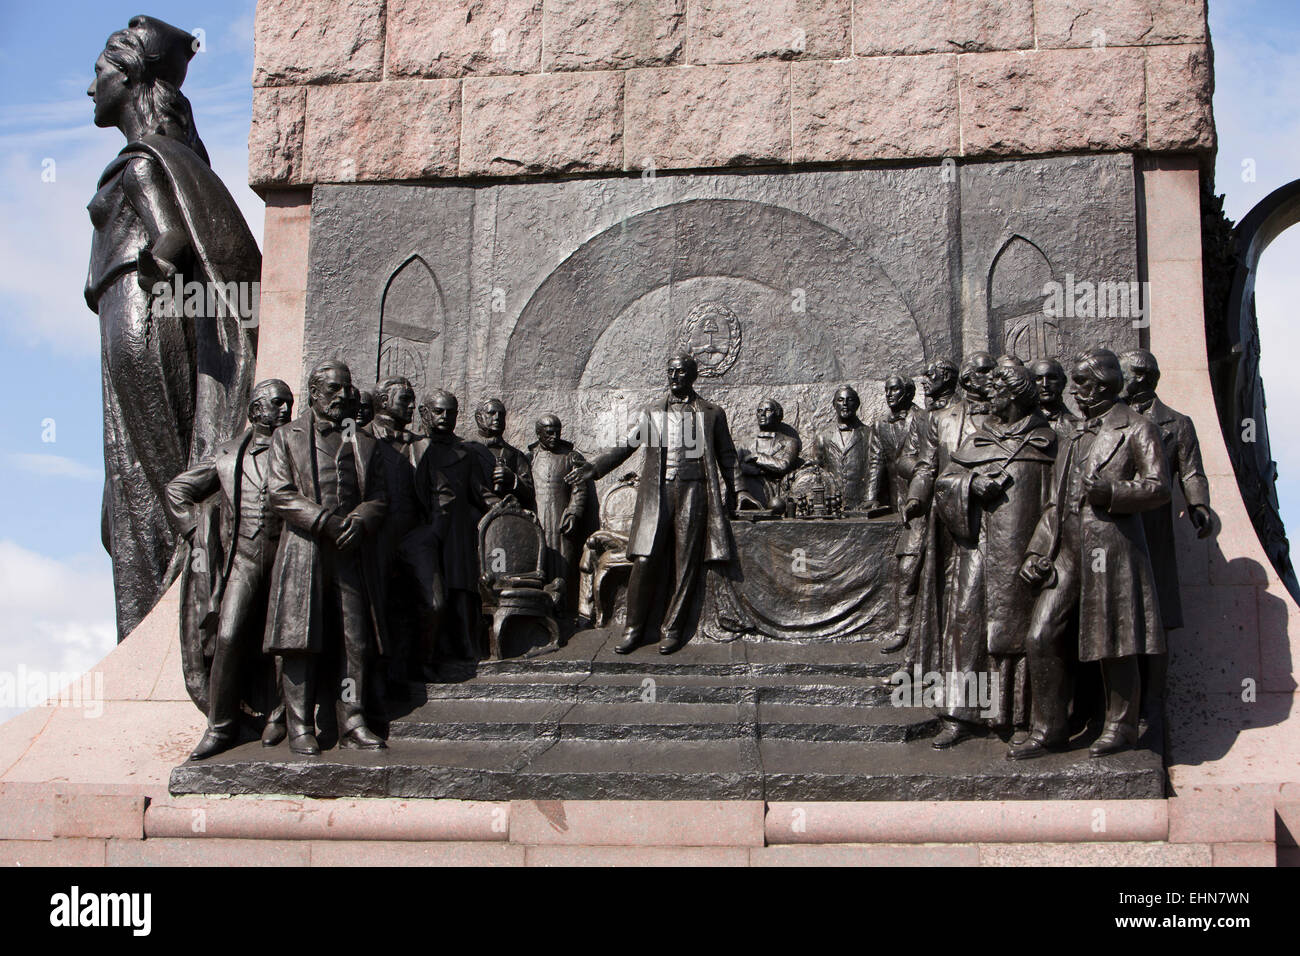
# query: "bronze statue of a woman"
[176,369]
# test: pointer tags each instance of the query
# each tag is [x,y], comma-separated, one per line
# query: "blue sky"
[55,590]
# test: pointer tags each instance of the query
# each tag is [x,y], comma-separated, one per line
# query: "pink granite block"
[878,108]
[1174,305]
[317,41]
[637,856]
[137,742]
[309,819]
[61,852]
[393,853]
[736,31]
[275,138]
[1221,815]
[285,235]
[683,117]
[130,670]
[83,814]
[18,733]
[170,684]
[441,39]
[1015,104]
[26,812]
[916,854]
[884,27]
[1172,186]
[612,34]
[223,853]
[637,822]
[1245,854]
[560,122]
[281,318]
[1010,821]
[1180,93]
[1076,23]
[399,129]
[1095,854]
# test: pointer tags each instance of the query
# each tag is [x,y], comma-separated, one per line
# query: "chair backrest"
[619,505]
[510,540]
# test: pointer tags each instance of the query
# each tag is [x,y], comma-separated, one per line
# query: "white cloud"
[58,615]
[55,466]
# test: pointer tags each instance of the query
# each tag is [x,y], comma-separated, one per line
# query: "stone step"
[525,719]
[863,692]
[539,666]
[728,768]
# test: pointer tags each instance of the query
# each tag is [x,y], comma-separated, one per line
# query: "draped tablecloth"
[798,579]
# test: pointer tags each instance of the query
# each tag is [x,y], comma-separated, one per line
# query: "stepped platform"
[743,721]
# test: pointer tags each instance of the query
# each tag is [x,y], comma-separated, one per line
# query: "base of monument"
[736,721]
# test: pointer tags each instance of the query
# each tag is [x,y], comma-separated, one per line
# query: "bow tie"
[979,408]
[326,427]
[845,428]
[494,442]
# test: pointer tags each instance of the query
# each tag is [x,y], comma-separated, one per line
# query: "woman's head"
[139,74]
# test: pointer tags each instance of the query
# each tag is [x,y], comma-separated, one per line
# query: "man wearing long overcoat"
[236,476]
[327,485]
[1089,553]
[946,429]
[684,498]
[993,491]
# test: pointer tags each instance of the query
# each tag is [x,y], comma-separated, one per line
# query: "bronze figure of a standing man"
[327,483]
[239,472]
[1089,554]
[688,480]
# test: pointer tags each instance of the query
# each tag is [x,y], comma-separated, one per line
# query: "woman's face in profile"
[109,91]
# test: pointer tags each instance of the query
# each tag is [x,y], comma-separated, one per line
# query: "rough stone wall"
[382,90]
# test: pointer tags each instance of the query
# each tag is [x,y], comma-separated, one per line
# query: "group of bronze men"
[1036,551]
[1037,546]
[347,540]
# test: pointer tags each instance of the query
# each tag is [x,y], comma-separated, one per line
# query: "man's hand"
[984,488]
[1202,520]
[581,473]
[500,477]
[568,524]
[1100,490]
[350,535]
[914,508]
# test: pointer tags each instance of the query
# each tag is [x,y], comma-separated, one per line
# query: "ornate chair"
[512,582]
[605,564]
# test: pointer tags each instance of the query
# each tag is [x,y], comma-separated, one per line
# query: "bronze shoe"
[1035,745]
[362,737]
[669,643]
[631,641]
[305,745]
[212,743]
[1113,740]
[953,733]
